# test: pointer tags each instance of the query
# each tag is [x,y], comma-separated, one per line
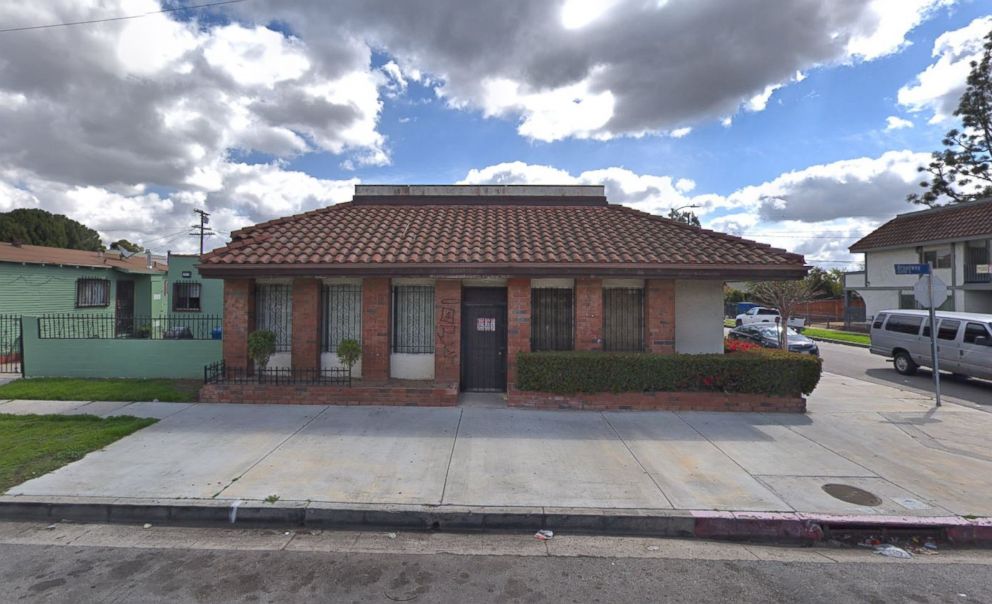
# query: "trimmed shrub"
[771,372]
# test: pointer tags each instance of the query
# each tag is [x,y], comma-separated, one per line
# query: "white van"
[964,341]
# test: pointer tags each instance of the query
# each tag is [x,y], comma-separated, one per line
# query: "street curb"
[841,342]
[792,527]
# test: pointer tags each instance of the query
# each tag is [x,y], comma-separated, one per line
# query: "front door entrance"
[124,309]
[484,339]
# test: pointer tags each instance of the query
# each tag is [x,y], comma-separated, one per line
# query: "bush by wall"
[770,372]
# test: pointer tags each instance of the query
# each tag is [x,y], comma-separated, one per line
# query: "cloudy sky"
[795,122]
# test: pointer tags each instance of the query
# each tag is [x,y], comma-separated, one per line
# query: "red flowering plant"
[738,346]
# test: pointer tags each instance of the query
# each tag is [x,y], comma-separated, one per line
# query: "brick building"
[443,285]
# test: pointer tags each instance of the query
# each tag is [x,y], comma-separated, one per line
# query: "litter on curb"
[544,535]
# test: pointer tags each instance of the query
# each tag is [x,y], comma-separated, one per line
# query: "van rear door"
[975,359]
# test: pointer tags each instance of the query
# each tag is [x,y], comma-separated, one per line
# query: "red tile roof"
[487,238]
[947,223]
[38,254]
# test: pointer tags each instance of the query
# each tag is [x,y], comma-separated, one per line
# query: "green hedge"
[771,372]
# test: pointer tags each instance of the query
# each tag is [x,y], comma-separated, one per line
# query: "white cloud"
[897,123]
[680,132]
[938,88]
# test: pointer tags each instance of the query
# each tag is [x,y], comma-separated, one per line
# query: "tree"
[786,296]
[349,351]
[38,227]
[686,217]
[261,346]
[960,172]
[825,284]
[124,245]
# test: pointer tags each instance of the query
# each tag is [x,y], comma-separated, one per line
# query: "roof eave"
[674,271]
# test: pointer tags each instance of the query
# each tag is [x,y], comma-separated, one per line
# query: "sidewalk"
[918,461]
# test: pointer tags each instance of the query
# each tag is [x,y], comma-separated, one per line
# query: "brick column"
[376,299]
[517,325]
[447,335]
[239,321]
[659,316]
[306,324]
[588,314]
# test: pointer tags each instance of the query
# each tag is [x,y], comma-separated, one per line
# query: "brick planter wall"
[657,401]
[313,394]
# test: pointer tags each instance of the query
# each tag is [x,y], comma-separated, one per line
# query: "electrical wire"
[121,18]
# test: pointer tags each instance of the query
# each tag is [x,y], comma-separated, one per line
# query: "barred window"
[623,319]
[186,296]
[92,292]
[342,315]
[274,312]
[413,319]
[552,312]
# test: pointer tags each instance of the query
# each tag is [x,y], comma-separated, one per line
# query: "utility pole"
[201,229]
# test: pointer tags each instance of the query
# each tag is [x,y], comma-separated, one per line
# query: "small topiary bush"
[261,346]
[771,372]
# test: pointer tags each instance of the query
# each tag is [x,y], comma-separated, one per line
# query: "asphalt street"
[859,363]
[73,563]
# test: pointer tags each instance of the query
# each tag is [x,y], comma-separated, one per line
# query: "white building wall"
[698,317]
[878,300]
[880,268]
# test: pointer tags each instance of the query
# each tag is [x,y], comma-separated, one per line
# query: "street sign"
[926,297]
[912,269]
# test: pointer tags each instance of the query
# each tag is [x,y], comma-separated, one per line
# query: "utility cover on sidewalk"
[851,494]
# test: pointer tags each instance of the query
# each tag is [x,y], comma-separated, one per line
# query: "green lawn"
[77,389]
[32,445]
[834,334]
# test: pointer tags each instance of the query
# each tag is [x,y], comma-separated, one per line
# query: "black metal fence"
[11,345]
[413,319]
[552,313]
[170,327]
[623,319]
[274,312]
[220,373]
[342,317]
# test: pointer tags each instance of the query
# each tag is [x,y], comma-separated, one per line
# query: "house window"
[186,296]
[937,258]
[623,319]
[907,301]
[552,312]
[342,315]
[413,319]
[274,312]
[92,292]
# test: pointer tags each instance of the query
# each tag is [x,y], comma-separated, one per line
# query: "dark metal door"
[124,308]
[484,339]
[11,345]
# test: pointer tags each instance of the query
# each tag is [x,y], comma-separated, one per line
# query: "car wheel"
[904,364]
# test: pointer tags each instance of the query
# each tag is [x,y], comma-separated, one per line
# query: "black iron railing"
[342,316]
[11,344]
[220,373]
[274,312]
[552,319]
[413,319]
[623,320]
[171,327]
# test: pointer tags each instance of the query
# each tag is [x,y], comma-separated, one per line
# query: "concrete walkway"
[918,461]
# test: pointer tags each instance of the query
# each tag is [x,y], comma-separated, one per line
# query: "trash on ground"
[544,535]
[653,548]
[893,552]
[147,526]
[51,526]
[391,535]
[930,545]
[870,542]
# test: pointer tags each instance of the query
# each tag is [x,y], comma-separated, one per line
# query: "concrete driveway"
[890,442]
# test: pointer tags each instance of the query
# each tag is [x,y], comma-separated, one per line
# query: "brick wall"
[313,394]
[655,401]
[588,314]
[376,298]
[239,320]
[659,316]
[306,324]
[517,324]
[447,335]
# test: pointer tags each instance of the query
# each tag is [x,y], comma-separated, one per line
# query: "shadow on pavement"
[971,390]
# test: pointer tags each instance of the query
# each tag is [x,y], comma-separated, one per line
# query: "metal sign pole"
[933,340]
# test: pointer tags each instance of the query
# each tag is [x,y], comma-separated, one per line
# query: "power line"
[121,18]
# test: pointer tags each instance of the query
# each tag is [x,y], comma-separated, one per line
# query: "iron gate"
[11,345]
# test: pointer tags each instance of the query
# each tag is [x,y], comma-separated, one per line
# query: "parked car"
[964,341]
[766,335]
[762,314]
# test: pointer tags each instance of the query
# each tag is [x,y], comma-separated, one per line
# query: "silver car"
[964,341]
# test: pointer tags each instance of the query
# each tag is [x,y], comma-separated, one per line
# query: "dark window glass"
[767,311]
[973,331]
[623,319]
[907,301]
[552,312]
[947,330]
[904,324]
[186,296]
[413,319]
[92,292]
[274,312]
[342,315]
[878,322]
